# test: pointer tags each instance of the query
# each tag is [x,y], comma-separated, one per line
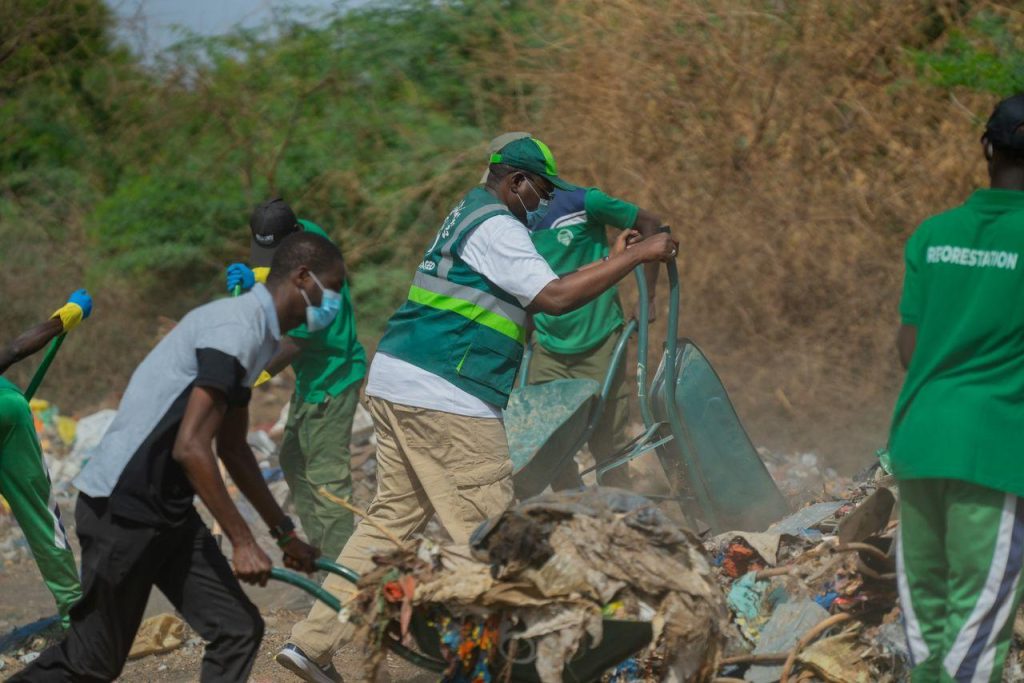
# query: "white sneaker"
[296,661]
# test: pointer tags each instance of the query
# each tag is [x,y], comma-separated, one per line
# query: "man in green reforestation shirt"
[329,366]
[579,344]
[958,430]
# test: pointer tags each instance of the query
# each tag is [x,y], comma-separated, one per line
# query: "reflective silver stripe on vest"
[446,249]
[472,295]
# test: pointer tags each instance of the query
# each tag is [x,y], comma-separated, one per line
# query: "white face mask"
[320,317]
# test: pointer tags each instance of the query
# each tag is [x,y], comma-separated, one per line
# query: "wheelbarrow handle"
[51,353]
[341,570]
[312,587]
[308,585]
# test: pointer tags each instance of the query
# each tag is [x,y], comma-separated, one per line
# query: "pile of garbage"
[804,477]
[814,597]
[566,585]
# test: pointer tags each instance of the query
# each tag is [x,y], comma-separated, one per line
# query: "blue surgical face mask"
[320,317]
[533,218]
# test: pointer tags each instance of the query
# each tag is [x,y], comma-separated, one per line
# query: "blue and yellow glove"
[77,309]
[240,275]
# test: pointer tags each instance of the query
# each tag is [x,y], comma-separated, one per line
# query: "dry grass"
[789,144]
[793,152]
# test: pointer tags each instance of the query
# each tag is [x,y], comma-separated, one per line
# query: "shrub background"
[793,146]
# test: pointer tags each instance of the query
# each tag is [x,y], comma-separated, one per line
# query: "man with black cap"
[329,366]
[957,437]
[445,367]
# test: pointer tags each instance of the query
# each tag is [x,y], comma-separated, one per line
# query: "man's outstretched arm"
[29,342]
[64,319]
[576,289]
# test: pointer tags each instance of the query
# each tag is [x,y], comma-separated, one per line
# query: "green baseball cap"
[530,154]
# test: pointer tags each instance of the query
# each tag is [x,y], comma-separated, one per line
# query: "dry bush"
[793,151]
[789,143]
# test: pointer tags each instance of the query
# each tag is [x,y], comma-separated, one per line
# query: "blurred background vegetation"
[792,144]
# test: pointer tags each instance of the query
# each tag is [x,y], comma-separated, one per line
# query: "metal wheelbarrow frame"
[621,639]
[714,470]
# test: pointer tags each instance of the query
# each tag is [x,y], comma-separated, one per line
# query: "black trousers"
[121,563]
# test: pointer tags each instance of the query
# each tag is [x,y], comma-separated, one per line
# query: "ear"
[299,275]
[515,180]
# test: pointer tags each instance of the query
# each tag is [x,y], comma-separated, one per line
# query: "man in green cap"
[445,367]
[329,366]
[24,481]
[956,439]
[579,345]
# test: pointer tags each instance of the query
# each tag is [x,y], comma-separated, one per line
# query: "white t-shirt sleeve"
[500,249]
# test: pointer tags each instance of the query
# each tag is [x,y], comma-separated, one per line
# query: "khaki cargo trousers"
[427,461]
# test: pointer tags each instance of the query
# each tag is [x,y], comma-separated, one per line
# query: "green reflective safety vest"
[456,324]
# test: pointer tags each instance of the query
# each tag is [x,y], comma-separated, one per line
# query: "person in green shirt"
[957,436]
[24,481]
[579,344]
[329,366]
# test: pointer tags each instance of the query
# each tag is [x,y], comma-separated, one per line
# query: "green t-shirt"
[332,359]
[573,235]
[7,385]
[960,414]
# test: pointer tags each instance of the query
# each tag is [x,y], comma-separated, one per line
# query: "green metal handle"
[344,572]
[51,353]
[311,587]
[237,290]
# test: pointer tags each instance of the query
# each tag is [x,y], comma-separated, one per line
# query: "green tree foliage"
[136,178]
[985,54]
[361,118]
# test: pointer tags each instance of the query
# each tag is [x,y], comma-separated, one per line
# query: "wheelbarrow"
[714,471]
[621,639]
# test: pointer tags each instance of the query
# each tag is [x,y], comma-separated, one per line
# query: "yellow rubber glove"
[264,377]
[261,274]
[78,307]
[70,315]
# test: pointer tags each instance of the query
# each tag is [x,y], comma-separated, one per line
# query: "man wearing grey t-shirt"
[135,515]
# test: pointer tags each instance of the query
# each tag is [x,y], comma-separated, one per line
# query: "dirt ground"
[24,599]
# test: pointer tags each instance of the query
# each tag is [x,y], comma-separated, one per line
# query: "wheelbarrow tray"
[621,640]
[543,424]
[738,485]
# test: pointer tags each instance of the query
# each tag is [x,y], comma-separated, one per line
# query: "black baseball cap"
[1005,128]
[270,222]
